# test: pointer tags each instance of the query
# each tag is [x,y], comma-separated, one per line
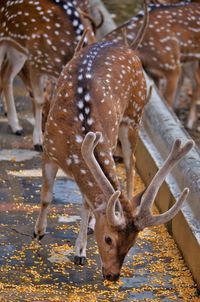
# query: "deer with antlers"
[99,99]
[39,38]
[172,38]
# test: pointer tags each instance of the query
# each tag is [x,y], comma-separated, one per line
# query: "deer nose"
[110,276]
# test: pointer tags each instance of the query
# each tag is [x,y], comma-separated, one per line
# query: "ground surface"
[153,270]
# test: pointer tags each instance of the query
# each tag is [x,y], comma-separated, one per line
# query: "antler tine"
[102,19]
[165,217]
[81,41]
[124,32]
[87,16]
[140,35]
[144,216]
[175,155]
[87,149]
[113,219]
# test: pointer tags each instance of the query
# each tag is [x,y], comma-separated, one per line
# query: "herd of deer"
[98,100]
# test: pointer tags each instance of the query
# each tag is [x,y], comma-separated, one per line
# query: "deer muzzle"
[110,276]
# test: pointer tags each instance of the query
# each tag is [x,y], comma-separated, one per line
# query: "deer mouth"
[110,276]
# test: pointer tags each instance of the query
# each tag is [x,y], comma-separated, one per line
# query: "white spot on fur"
[87,97]
[68,161]
[79,139]
[80,90]
[83,171]
[90,121]
[80,104]
[106,162]
[81,117]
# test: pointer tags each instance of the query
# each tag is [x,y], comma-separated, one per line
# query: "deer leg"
[2,59]
[49,171]
[195,76]
[3,102]
[172,79]
[81,241]
[127,138]
[2,55]
[178,90]
[38,98]
[192,113]
[91,224]
[14,63]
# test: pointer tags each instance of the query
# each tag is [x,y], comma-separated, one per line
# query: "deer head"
[119,220]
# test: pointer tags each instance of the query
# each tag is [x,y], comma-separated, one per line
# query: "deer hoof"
[38,237]
[90,231]
[38,148]
[79,260]
[19,132]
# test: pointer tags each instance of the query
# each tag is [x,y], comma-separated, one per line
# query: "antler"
[81,41]
[141,32]
[144,216]
[101,21]
[115,219]
[87,149]
[87,16]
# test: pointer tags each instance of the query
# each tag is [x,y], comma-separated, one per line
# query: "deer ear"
[137,199]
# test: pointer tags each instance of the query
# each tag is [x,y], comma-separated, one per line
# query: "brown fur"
[68,122]
[167,38]
[47,36]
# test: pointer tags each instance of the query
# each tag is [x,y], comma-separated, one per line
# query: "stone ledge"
[185,227]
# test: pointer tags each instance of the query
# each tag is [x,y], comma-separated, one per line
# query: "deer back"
[90,98]
[46,31]
[172,35]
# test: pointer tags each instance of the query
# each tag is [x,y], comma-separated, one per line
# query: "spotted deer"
[172,39]
[39,38]
[99,99]
[190,70]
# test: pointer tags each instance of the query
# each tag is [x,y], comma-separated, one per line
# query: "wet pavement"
[29,271]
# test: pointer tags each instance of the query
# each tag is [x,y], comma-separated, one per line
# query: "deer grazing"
[172,38]
[39,38]
[100,97]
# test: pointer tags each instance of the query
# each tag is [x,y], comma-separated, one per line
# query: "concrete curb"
[160,129]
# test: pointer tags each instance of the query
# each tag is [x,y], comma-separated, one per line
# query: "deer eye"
[108,240]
